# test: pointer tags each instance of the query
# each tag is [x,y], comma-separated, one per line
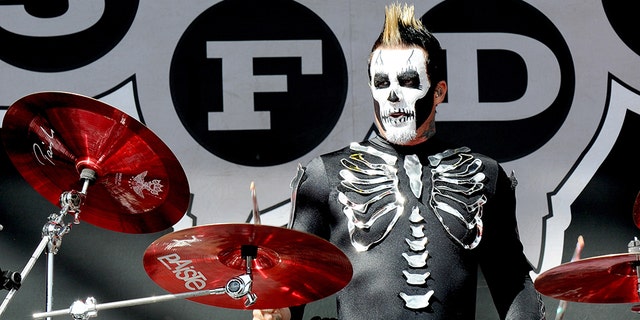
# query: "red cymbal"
[636,211]
[289,269]
[604,279]
[52,136]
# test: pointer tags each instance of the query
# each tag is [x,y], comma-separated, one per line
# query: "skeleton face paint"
[398,81]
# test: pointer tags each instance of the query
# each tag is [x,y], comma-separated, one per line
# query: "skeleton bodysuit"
[416,222]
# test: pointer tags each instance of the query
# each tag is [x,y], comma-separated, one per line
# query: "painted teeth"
[397,121]
[408,115]
[406,111]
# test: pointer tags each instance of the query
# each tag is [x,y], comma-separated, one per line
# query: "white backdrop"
[586,70]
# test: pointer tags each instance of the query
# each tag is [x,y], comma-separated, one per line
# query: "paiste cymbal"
[603,279]
[140,187]
[290,268]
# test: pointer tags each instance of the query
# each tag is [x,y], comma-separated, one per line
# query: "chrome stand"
[236,288]
[52,233]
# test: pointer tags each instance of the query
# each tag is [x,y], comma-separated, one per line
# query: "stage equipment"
[64,143]
[609,278]
[270,267]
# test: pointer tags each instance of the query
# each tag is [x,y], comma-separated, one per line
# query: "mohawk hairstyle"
[402,29]
[399,20]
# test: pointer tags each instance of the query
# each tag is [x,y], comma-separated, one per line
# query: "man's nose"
[393,97]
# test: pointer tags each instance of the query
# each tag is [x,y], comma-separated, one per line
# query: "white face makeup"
[398,80]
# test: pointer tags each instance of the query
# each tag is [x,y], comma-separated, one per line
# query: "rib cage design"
[459,183]
[375,182]
[456,182]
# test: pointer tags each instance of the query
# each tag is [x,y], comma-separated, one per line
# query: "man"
[415,216]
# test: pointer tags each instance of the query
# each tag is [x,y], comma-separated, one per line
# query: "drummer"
[415,215]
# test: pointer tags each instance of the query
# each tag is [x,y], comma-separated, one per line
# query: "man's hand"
[272,314]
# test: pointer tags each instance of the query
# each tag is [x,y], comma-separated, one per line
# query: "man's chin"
[400,137]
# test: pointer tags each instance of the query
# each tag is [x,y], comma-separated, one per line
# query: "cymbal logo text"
[42,154]
[183,270]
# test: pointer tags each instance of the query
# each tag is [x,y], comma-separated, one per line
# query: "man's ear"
[439,92]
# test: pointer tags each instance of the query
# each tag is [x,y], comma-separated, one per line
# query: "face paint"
[398,82]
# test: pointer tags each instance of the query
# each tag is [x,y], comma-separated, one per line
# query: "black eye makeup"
[381,81]
[409,79]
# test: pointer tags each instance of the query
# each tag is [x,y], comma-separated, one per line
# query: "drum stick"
[562,306]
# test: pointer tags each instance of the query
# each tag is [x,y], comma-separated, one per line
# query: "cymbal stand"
[634,247]
[236,288]
[52,233]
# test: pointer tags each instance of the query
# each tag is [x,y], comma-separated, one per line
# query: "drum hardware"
[52,233]
[82,310]
[51,137]
[292,267]
[287,266]
[609,278]
[10,280]
[138,185]
[636,211]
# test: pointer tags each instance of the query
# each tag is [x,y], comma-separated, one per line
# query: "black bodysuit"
[416,222]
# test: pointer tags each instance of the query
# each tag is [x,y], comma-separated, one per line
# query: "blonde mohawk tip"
[397,15]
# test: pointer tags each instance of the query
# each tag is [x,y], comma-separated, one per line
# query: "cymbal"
[140,187]
[290,267]
[636,211]
[603,279]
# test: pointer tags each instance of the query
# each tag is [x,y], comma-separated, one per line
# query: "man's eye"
[381,81]
[409,79]
[409,83]
[381,84]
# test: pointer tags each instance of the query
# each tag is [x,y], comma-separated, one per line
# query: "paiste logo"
[184,271]
[43,151]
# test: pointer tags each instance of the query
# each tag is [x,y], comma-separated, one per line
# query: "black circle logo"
[502,74]
[258,83]
[87,40]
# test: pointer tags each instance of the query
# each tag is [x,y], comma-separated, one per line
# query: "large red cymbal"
[604,279]
[290,268]
[52,136]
